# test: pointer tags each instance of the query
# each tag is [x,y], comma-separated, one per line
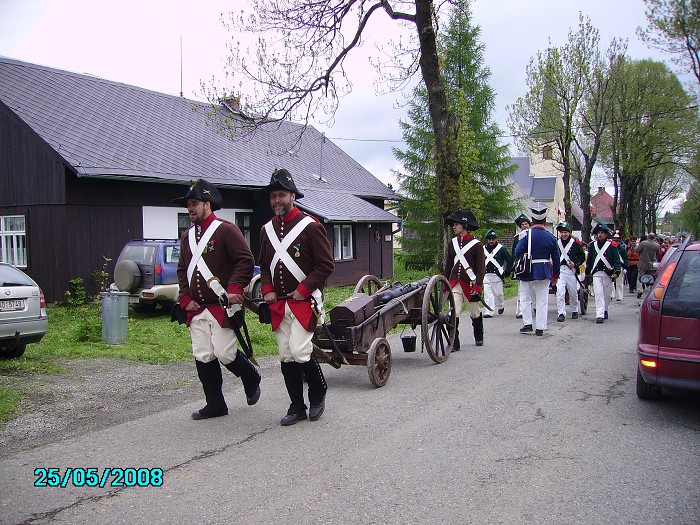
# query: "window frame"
[339,245]
[14,251]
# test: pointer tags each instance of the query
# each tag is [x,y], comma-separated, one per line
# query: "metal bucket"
[408,342]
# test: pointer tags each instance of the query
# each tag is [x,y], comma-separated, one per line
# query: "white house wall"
[160,222]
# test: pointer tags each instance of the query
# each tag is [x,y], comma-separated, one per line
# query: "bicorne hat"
[539,211]
[520,218]
[465,218]
[564,227]
[202,190]
[490,234]
[601,227]
[281,180]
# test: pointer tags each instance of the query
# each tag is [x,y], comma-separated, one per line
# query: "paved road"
[525,429]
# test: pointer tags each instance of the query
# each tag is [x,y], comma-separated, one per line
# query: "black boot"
[317,387]
[210,376]
[478,325]
[243,368]
[294,381]
[456,346]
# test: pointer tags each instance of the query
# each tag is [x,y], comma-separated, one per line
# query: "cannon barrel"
[398,291]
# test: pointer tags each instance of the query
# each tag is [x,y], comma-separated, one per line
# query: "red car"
[668,343]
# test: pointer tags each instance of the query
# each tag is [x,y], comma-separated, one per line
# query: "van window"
[682,298]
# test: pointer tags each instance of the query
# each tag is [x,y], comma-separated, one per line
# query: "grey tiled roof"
[109,129]
[539,188]
[331,206]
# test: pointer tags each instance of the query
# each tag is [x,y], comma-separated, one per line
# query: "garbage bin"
[115,315]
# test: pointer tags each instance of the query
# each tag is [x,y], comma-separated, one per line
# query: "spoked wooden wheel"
[369,284]
[379,362]
[439,324]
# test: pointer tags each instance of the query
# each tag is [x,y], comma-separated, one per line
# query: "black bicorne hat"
[202,190]
[465,218]
[281,180]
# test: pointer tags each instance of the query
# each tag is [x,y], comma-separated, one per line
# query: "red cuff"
[267,288]
[185,300]
[476,288]
[303,290]
[235,288]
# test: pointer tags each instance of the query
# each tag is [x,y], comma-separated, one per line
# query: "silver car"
[23,316]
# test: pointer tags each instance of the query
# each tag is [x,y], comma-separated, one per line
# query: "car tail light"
[159,269]
[648,363]
[658,292]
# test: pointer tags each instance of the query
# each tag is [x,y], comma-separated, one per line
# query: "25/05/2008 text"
[93,477]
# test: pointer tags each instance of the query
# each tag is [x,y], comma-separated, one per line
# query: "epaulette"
[614,243]
[578,241]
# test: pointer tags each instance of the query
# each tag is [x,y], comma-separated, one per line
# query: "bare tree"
[674,27]
[298,65]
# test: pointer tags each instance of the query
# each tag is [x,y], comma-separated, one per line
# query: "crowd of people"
[543,263]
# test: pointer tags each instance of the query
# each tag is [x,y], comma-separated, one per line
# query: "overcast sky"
[138,42]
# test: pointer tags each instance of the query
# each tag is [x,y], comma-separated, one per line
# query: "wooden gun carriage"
[355,330]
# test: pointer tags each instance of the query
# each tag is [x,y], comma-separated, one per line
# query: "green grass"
[9,403]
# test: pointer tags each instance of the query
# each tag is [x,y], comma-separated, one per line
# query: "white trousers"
[602,287]
[618,287]
[210,341]
[540,290]
[458,294]
[518,306]
[567,282]
[493,292]
[293,341]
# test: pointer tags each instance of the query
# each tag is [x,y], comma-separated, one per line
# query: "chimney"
[232,103]
[601,189]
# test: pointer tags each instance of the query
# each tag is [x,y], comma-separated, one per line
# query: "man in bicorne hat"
[523,222]
[542,247]
[215,260]
[465,269]
[572,256]
[295,260]
[497,262]
[602,266]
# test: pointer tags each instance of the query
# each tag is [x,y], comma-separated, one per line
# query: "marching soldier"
[524,224]
[619,286]
[497,262]
[295,260]
[572,256]
[542,247]
[602,266]
[215,260]
[464,268]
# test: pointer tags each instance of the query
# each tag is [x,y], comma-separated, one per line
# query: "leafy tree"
[484,163]
[650,143]
[297,70]
[674,27]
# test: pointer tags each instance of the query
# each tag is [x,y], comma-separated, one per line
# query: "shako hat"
[617,235]
[281,180]
[490,234]
[564,227]
[539,211]
[201,190]
[601,227]
[520,218]
[465,218]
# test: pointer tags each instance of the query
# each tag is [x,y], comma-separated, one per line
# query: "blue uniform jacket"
[544,246]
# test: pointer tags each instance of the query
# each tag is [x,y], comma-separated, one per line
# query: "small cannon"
[358,326]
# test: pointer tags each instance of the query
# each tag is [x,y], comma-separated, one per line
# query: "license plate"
[9,305]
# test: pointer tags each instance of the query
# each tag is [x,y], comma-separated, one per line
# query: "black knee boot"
[210,376]
[317,387]
[294,381]
[478,325]
[457,346]
[243,368]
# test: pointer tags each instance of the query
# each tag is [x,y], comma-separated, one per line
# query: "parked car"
[668,342]
[23,317]
[147,269]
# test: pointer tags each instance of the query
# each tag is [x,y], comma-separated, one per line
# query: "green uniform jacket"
[503,258]
[611,254]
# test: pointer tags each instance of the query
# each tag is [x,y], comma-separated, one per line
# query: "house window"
[342,242]
[547,153]
[13,240]
[243,222]
[183,222]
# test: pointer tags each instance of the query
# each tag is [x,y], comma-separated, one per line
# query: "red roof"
[602,203]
